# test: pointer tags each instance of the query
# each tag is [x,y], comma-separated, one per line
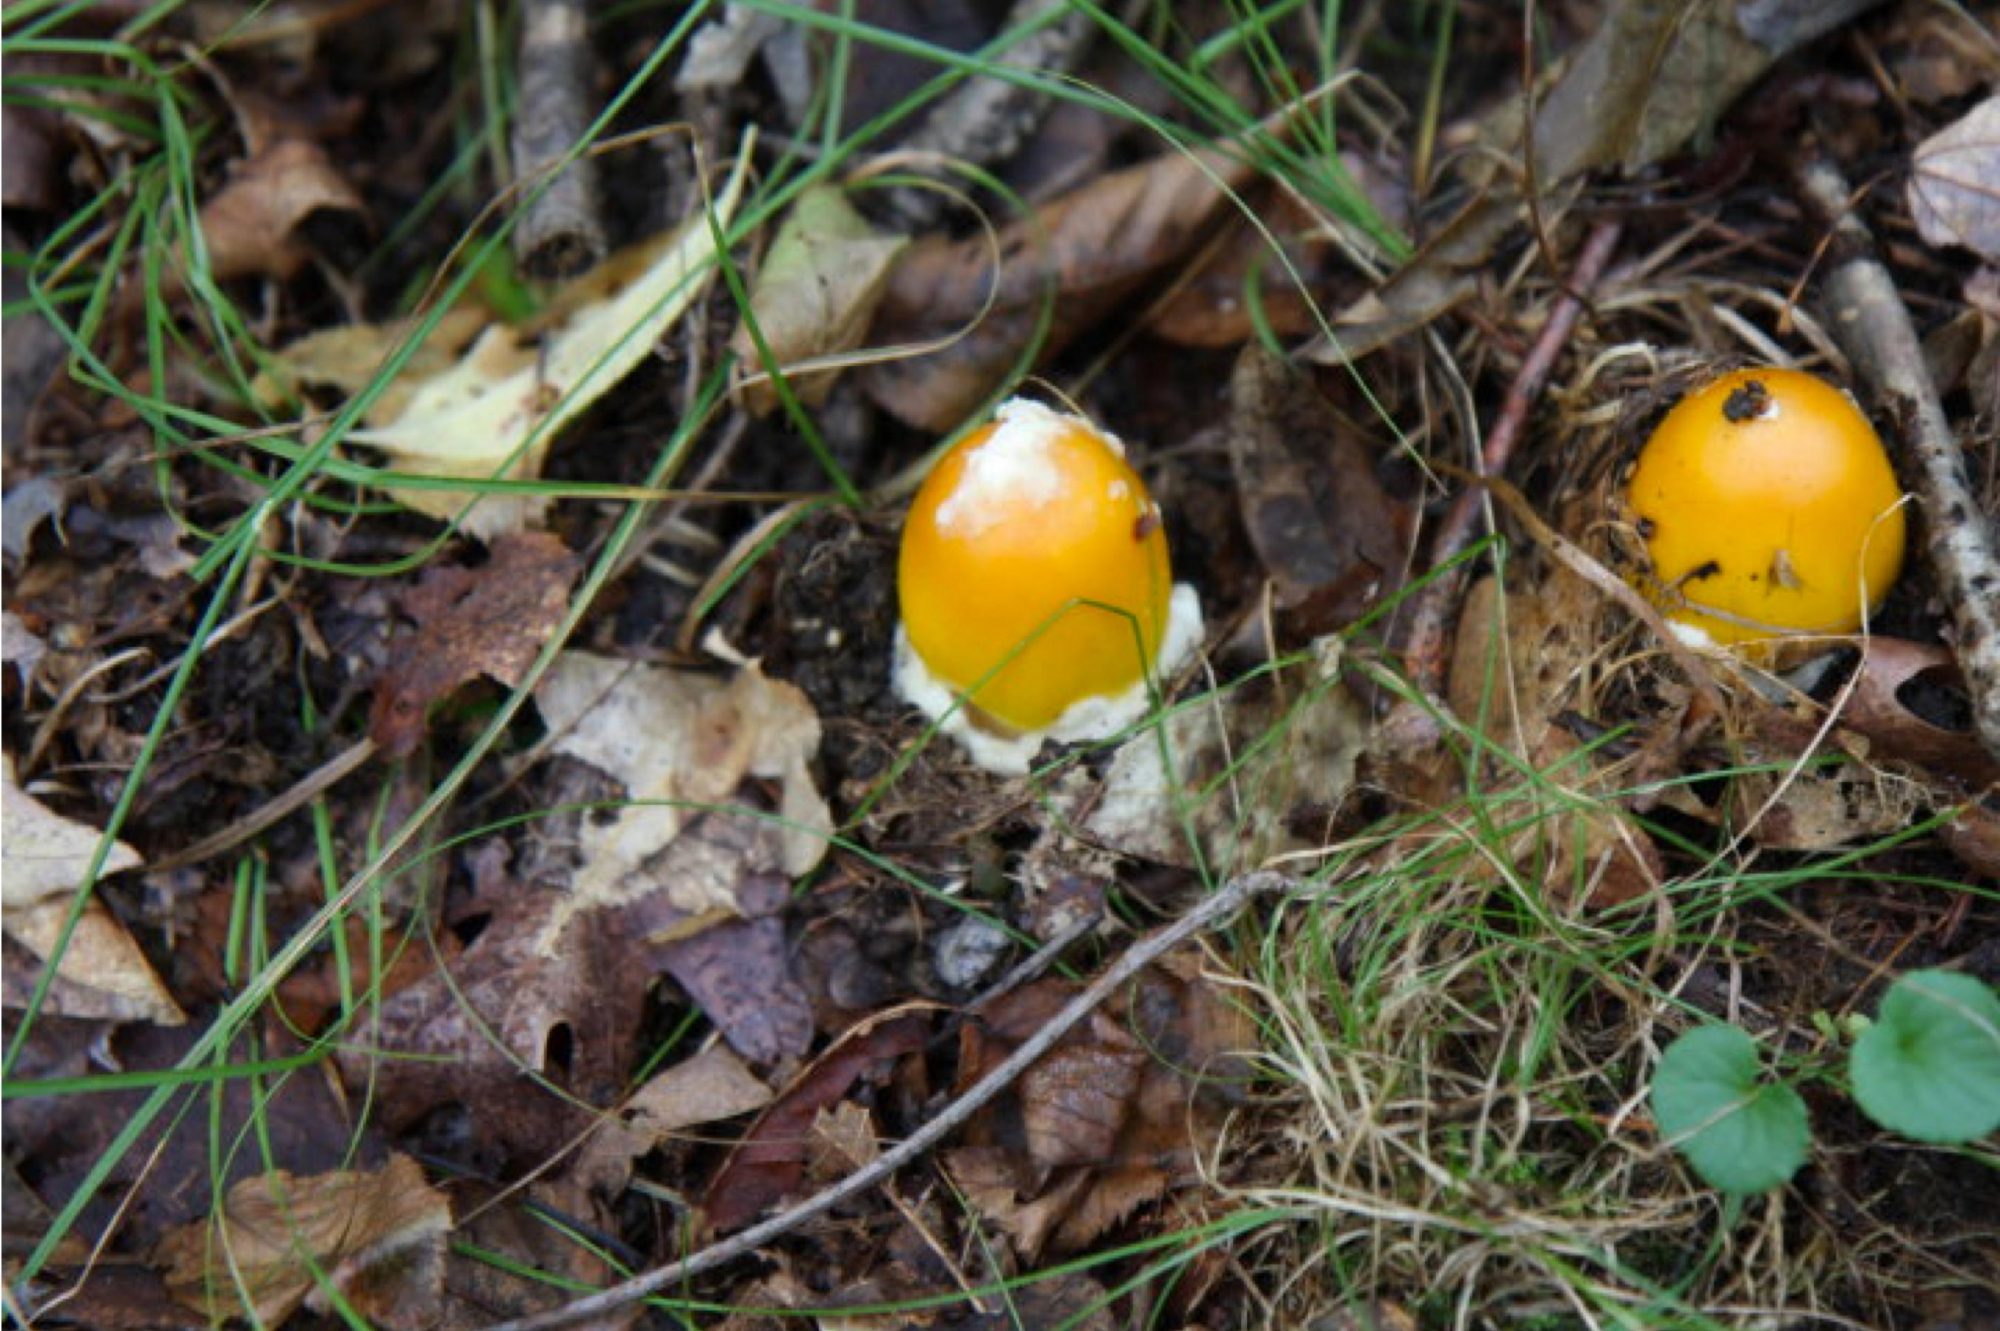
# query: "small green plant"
[1928,1067]
[1740,1132]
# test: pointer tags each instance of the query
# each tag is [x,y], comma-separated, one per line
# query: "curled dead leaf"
[1087,250]
[706,1087]
[1876,710]
[815,294]
[250,227]
[377,1238]
[495,412]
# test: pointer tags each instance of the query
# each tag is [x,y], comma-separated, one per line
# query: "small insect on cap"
[1768,508]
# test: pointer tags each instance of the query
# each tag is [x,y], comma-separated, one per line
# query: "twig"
[1873,326]
[559,233]
[1425,653]
[306,788]
[1232,897]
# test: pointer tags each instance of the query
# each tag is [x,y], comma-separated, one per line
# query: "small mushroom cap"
[1768,508]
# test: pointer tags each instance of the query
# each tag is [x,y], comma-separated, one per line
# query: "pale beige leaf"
[495,413]
[43,853]
[351,357]
[103,976]
[706,1088]
[1955,183]
[843,1140]
[680,741]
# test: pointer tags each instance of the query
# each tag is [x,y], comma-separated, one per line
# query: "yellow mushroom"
[1768,509]
[1035,585]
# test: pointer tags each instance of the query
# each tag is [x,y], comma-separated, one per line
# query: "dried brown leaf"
[843,1140]
[378,1238]
[250,226]
[710,1086]
[492,620]
[1875,709]
[1332,539]
[520,1036]
[1086,251]
[770,1162]
[1112,1118]
[704,1088]
[1973,835]
[1823,809]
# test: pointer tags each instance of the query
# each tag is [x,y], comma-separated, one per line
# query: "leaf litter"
[654,859]
[495,412]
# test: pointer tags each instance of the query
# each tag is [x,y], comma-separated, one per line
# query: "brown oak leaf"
[489,620]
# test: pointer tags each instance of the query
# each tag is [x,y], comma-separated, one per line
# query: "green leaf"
[1929,1067]
[1740,1133]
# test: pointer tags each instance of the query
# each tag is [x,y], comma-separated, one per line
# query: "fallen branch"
[1212,911]
[1873,326]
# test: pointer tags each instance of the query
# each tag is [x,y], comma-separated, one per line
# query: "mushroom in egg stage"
[1768,509]
[1035,587]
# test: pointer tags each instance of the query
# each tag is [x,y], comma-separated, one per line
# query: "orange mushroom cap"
[1768,508]
[1034,572]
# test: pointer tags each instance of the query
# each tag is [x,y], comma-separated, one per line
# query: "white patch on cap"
[1013,471]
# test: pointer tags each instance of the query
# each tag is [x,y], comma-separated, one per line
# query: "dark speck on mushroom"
[1749,401]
